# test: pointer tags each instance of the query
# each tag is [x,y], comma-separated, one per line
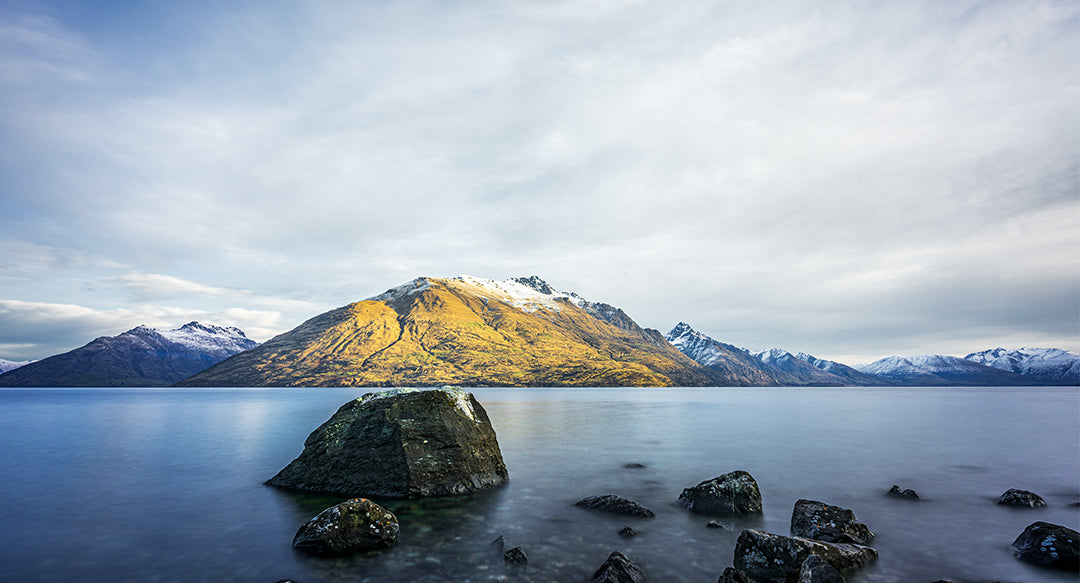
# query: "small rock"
[824,522]
[896,492]
[352,526]
[499,543]
[733,575]
[732,493]
[715,524]
[285,581]
[1050,545]
[1021,498]
[634,466]
[779,559]
[615,505]
[618,569]
[815,570]
[628,532]
[516,556]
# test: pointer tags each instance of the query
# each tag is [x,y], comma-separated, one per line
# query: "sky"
[850,179]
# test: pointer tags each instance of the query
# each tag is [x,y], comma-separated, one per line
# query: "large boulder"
[401,443]
[350,527]
[832,524]
[815,570]
[779,559]
[618,569]
[615,505]
[1021,498]
[732,493]
[1050,545]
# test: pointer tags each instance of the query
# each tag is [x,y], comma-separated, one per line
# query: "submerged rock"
[733,575]
[896,492]
[618,569]
[1049,545]
[819,521]
[815,570]
[400,443]
[628,532]
[779,559]
[732,493]
[1021,498]
[615,505]
[352,526]
[516,556]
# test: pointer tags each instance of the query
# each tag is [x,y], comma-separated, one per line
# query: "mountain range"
[140,357]
[517,332]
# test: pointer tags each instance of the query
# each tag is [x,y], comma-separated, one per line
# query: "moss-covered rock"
[732,493]
[400,443]
[819,521]
[779,559]
[350,527]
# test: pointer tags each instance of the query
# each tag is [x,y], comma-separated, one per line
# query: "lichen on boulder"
[824,522]
[352,526]
[732,493]
[779,559]
[401,443]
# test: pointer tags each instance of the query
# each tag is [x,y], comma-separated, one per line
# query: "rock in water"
[896,492]
[618,569]
[1049,545]
[615,505]
[1021,498]
[779,559]
[516,556]
[832,524]
[815,570]
[401,443]
[732,493]
[350,527]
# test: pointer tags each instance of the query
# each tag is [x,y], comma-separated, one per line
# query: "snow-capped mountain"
[935,369]
[843,371]
[6,365]
[804,372]
[733,366]
[1051,366]
[140,357]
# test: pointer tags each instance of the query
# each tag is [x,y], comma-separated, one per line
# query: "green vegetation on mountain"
[456,331]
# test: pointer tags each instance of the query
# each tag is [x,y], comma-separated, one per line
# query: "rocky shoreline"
[825,543]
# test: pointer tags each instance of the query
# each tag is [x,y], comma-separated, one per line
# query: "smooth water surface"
[166,484]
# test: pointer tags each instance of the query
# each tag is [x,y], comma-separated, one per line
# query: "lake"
[166,484]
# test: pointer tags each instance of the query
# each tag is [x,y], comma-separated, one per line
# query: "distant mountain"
[6,365]
[140,357]
[801,371]
[466,331]
[934,369]
[731,365]
[1049,366]
[847,374]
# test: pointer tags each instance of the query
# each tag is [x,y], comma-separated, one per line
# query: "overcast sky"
[849,179]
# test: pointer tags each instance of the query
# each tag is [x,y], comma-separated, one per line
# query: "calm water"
[166,484]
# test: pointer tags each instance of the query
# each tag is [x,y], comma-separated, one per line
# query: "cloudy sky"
[850,179]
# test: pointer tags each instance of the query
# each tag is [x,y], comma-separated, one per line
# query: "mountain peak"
[537,284]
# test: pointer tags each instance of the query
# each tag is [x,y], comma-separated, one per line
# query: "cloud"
[151,286]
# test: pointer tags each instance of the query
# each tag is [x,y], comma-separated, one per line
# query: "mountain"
[731,365]
[847,374]
[934,369]
[140,357]
[466,331]
[1044,366]
[6,365]
[802,372]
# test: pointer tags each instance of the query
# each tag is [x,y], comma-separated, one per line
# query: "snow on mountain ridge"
[1046,364]
[6,365]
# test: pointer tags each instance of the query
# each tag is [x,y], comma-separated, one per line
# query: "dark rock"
[352,526]
[615,505]
[779,559]
[628,532]
[1021,498]
[833,524]
[618,569]
[815,570]
[733,575]
[285,581]
[732,493]
[516,556]
[634,466]
[400,443]
[896,492]
[715,524]
[1050,545]
[499,543]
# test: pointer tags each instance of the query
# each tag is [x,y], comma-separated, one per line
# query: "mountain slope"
[140,357]
[934,369]
[467,331]
[847,374]
[732,366]
[801,371]
[1050,366]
